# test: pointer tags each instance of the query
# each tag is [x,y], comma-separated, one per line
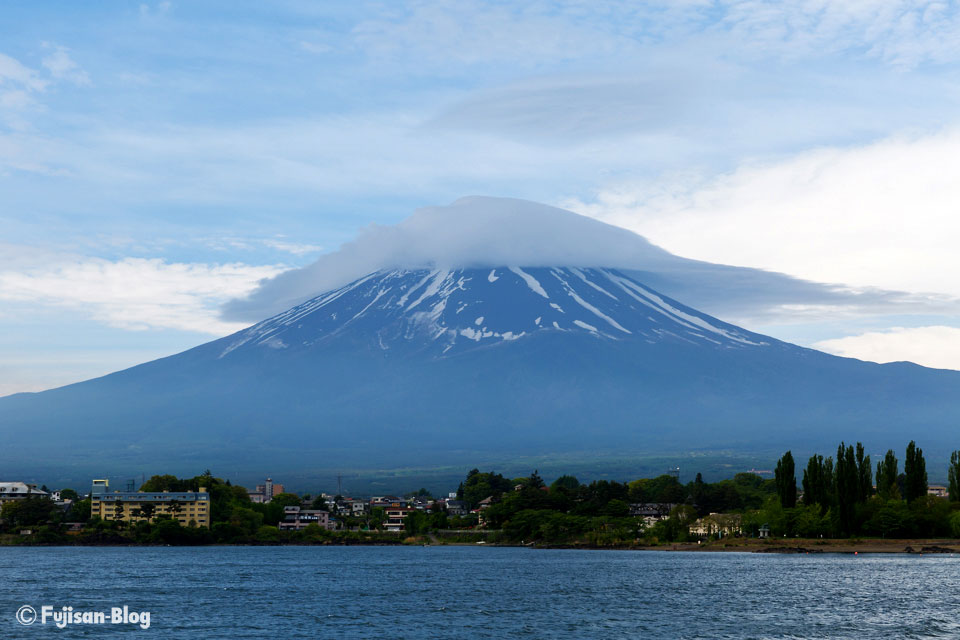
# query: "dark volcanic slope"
[436,366]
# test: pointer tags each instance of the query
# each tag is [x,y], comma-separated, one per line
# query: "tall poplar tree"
[915,468]
[818,482]
[864,475]
[887,472]
[953,473]
[786,481]
[846,488]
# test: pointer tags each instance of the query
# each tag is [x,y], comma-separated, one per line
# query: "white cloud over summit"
[496,232]
[473,231]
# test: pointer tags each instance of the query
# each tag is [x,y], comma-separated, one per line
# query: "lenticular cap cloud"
[472,232]
[480,231]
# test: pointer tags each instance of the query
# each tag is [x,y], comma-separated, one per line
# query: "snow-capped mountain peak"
[450,310]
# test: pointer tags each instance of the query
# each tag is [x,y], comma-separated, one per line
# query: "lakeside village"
[843,497]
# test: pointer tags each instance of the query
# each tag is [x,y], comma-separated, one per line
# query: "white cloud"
[294,248]
[13,71]
[484,231]
[315,47]
[936,346]
[18,84]
[62,67]
[900,33]
[160,9]
[137,294]
[470,32]
[903,33]
[881,215]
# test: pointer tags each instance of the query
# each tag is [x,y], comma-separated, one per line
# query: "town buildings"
[938,490]
[457,508]
[13,491]
[717,524]
[189,508]
[296,519]
[651,512]
[265,492]
[395,517]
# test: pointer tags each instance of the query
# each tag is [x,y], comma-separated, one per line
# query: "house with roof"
[297,519]
[15,491]
[651,512]
[717,524]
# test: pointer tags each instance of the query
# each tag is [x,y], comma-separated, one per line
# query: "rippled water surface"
[475,592]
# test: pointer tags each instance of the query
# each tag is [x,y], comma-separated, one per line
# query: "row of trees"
[847,499]
[743,491]
[598,513]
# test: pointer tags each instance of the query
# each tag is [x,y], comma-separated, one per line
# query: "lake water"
[476,592]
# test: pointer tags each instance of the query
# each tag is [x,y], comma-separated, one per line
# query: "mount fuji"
[431,366]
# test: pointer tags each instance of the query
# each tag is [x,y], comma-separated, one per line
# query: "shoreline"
[913,546]
[782,546]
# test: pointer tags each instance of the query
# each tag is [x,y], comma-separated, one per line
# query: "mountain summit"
[429,367]
[445,311]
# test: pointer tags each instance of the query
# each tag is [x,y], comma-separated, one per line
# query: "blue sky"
[158,159]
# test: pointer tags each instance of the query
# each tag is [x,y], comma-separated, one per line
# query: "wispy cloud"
[12,71]
[901,33]
[62,67]
[138,294]
[936,346]
[294,248]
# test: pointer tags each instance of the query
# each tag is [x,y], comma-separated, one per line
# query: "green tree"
[416,523]
[892,520]
[247,520]
[786,479]
[377,518]
[887,473]
[268,534]
[915,469]
[846,488]
[616,509]
[286,500]
[157,484]
[535,481]
[864,475]
[79,511]
[818,482]
[148,509]
[565,483]
[29,512]
[175,508]
[953,474]
[68,494]
[479,486]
